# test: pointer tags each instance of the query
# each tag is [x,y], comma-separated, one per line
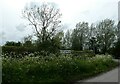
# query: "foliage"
[28,41]
[93,45]
[51,46]
[106,34]
[118,31]
[66,44]
[15,50]
[98,37]
[79,36]
[53,69]
[12,43]
[115,51]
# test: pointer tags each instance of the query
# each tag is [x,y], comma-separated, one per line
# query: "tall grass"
[53,69]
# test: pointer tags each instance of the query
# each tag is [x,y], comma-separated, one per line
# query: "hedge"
[84,53]
[17,49]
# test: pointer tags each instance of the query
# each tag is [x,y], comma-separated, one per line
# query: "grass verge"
[52,69]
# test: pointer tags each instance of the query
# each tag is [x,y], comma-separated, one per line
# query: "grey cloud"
[85,12]
[21,27]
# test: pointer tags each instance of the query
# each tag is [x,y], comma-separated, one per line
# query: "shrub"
[116,50]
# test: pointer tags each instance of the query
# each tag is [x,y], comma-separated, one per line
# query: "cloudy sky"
[13,27]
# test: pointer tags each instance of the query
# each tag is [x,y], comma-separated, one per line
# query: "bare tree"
[45,19]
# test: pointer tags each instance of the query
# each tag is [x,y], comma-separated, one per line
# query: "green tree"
[56,43]
[12,43]
[92,40]
[8,43]
[79,36]
[67,40]
[28,41]
[106,32]
[118,31]
[18,43]
[115,51]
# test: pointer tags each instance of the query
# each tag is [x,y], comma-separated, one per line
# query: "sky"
[13,27]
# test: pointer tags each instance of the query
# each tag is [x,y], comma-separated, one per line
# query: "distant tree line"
[102,37]
[97,37]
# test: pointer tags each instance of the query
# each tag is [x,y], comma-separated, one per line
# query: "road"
[110,76]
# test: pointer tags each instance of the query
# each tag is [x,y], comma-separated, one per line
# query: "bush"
[116,50]
[53,69]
